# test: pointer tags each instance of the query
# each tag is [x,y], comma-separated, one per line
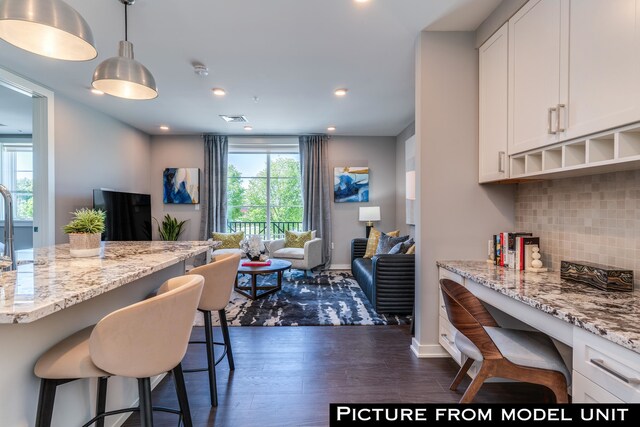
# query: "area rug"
[327,298]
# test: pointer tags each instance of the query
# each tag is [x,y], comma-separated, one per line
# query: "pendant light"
[123,76]
[49,28]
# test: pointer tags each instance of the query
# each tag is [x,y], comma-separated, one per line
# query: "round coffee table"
[251,292]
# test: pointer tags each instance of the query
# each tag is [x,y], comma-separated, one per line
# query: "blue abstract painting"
[351,184]
[181,185]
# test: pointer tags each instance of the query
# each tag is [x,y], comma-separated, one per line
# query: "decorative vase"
[83,245]
[254,258]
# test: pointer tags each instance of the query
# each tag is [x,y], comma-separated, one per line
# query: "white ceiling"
[15,112]
[291,54]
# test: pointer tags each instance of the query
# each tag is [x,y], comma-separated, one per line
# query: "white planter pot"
[84,244]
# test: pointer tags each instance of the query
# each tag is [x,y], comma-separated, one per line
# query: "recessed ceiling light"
[361,1]
[331,128]
[248,128]
[97,92]
[164,127]
[218,91]
[341,92]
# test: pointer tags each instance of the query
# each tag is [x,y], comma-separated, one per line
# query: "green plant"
[171,228]
[85,220]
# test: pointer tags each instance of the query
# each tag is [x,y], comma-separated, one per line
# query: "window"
[17,175]
[264,193]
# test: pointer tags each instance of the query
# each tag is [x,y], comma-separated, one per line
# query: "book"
[496,250]
[513,249]
[256,263]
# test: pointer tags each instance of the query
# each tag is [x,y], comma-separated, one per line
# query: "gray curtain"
[214,185]
[316,189]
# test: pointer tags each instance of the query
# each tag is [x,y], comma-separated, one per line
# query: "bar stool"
[219,277]
[506,353]
[139,341]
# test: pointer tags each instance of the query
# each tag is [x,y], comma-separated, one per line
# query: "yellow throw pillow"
[229,240]
[372,243]
[411,250]
[294,239]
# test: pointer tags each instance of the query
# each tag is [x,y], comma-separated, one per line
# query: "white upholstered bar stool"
[219,277]
[142,340]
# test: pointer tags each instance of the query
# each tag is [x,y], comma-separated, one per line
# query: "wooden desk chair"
[506,353]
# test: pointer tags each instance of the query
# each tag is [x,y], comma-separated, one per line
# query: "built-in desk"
[56,295]
[602,328]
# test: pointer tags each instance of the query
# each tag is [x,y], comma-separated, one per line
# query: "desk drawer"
[447,335]
[585,391]
[608,365]
[443,273]
[441,307]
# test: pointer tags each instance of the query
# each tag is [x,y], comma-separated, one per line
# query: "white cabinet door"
[604,66]
[585,391]
[494,85]
[535,40]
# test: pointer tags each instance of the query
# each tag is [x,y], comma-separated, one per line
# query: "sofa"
[388,281]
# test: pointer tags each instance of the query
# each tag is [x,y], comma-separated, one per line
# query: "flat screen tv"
[128,214]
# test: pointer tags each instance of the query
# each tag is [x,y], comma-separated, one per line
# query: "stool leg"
[181,391]
[224,326]
[45,402]
[101,401]
[211,363]
[146,407]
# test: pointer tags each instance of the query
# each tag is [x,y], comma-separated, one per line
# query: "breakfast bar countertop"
[614,316]
[55,281]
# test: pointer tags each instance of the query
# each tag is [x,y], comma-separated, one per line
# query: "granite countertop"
[614,316]
[55,281]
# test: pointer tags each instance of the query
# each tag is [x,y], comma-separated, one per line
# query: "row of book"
[513,250]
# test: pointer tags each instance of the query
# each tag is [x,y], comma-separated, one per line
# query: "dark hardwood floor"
[287,376]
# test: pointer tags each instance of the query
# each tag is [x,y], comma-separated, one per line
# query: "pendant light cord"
[126,34]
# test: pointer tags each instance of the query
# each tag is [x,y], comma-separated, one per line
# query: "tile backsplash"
[592,218]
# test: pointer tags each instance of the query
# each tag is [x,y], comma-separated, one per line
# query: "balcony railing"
[277,229]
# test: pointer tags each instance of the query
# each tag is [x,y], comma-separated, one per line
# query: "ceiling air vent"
[234,119]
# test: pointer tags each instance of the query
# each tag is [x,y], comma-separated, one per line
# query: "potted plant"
[84,232]
[171,228]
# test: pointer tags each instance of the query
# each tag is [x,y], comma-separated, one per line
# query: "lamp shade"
[411,185]
[370,213]
[124,77]
[49,28]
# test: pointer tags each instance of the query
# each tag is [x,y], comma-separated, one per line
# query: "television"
[128,214]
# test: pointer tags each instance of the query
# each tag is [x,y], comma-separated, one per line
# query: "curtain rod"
[266,136]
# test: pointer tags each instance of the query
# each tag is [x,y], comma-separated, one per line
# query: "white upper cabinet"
[603,67]
[494,67]
[536,34]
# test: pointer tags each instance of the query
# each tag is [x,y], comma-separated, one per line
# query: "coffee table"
[277,266]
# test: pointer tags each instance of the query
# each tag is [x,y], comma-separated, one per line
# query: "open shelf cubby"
[533,163]
[552,158]
[574,154]
[629,143]
[517,166]
[601,149]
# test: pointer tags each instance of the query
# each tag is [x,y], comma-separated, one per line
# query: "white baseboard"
[123,417]
[339,267]
[428,350]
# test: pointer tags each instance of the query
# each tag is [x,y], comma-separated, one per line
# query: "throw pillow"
[411,250]
[372,243]
[229,240]
[406,245]
[294,239]
[386,242]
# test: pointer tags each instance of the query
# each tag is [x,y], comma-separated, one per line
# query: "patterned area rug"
[327,298]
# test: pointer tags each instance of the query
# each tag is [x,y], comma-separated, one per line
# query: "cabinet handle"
[558,128]
[549,120]
[600,364]
[501,156]
[446,338]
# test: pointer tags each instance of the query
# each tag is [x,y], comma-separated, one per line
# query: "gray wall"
[175,152]
[94,150]
[379,154]
[401,191]
[455,215]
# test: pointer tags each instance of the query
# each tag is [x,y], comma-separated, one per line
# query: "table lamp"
[369,214]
